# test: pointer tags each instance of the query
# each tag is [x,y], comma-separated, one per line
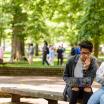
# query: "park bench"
[18,91]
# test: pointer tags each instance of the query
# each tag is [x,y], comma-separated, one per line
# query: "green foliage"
[51,19]
[92,22]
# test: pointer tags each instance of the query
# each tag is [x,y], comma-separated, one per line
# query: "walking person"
[72,52]
[60,56]
[30,53]
[51,55]
[82,66]
[45,53]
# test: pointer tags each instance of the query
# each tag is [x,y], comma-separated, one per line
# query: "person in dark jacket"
[45,53]
[60,55]
[78,67]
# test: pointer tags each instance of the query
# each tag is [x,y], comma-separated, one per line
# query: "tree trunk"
[17,47]
[17,36]
[96,41]
[36,50]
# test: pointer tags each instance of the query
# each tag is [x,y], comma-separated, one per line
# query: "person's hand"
[87,63]
[75,89]
[88,89]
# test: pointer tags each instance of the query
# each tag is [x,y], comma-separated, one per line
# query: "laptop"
[79,82]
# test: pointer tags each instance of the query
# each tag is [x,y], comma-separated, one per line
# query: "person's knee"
[87,89]
[75,89]
[102,99]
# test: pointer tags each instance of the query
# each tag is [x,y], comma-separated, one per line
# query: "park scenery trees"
[70,21]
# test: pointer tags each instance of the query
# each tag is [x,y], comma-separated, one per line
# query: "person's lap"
[95,98]
[102,99]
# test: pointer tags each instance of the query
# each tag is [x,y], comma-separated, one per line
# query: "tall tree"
[92,22]
[18,24]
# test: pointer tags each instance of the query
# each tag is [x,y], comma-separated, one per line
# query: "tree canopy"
[52,20]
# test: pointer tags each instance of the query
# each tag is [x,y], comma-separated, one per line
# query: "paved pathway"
[50,83]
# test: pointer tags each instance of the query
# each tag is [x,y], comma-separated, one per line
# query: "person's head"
[31,44]
[86,48]
[45,43]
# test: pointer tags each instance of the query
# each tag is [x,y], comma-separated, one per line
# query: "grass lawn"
[35,64]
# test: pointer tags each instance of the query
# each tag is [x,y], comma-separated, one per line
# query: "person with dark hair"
[72,51]
[79,74]
[45,53]
[59,56]
[45,43]
[87,45]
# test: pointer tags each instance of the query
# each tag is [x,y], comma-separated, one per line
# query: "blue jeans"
[102,99]
[97,97]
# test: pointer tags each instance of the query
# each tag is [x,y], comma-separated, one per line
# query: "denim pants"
[97,97]
[102,99]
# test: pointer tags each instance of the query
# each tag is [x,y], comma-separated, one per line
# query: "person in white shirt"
[98,96]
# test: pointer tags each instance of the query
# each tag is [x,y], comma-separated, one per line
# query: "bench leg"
[15,98]
[52,101]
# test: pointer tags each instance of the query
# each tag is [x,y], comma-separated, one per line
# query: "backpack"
[47,50]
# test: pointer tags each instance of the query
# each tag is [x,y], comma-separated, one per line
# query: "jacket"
[69,72]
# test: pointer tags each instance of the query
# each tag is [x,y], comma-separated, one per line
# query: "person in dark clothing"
[72,52]
[45,52]
[78,67]
[60,56]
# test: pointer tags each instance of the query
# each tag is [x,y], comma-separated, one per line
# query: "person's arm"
[93,69]
[68,72]
[100,74]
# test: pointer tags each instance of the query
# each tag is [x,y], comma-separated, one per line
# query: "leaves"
[51,18]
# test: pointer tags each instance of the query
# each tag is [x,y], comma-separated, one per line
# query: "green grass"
[35,64]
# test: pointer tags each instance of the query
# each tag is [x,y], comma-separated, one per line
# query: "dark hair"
[31,44]
[86,44]
[45,42]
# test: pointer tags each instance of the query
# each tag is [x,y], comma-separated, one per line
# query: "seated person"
[98,96]
[80,66]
